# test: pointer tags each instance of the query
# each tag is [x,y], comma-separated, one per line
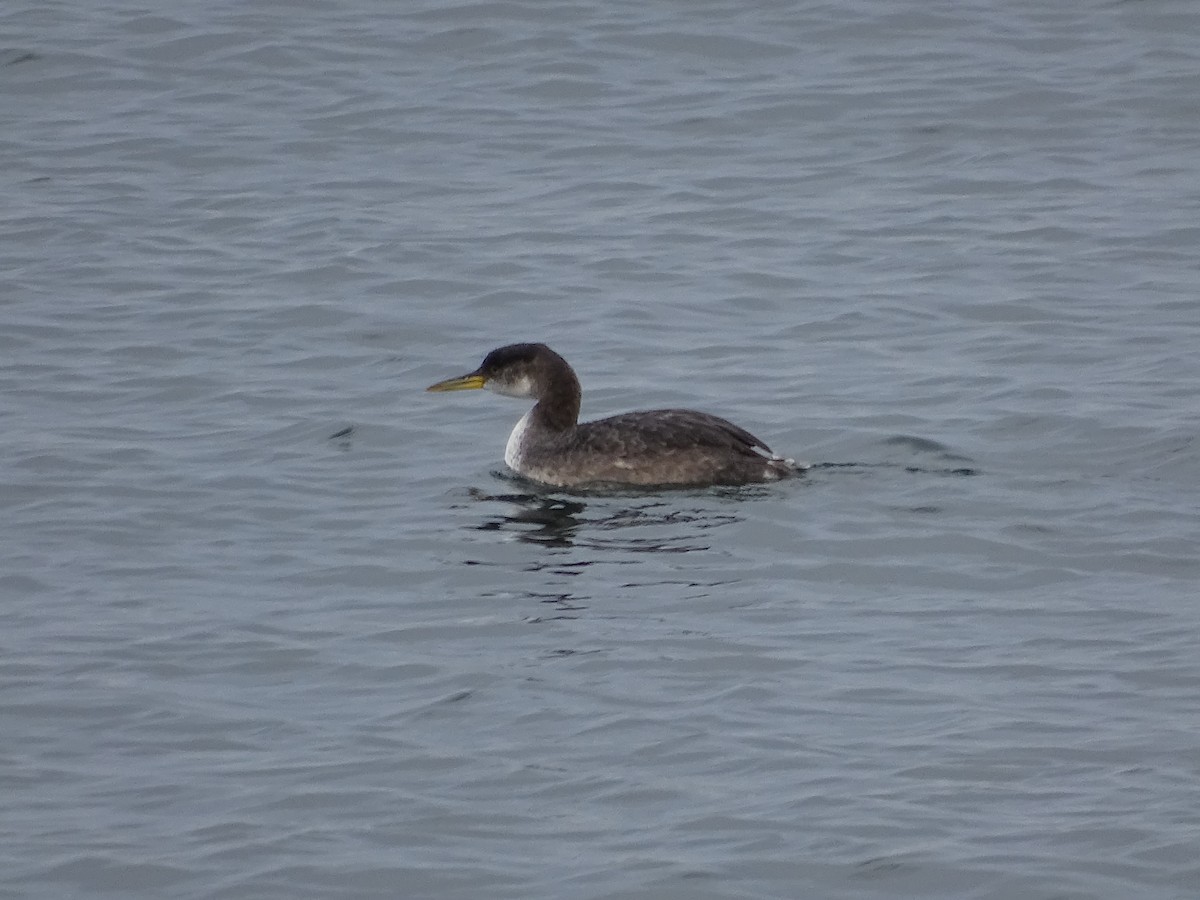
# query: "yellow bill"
[472,382]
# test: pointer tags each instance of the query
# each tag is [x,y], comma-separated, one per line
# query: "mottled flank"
[662,447]
[654,447]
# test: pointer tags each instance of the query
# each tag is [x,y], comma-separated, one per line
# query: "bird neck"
[557,408]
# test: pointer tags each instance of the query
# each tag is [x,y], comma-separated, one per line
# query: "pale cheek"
[522,387]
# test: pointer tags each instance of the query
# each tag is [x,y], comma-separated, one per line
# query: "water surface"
[945,252]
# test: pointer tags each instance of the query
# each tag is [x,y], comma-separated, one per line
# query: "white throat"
[514,451]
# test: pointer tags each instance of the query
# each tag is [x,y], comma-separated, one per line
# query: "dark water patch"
[565,522]
[865,467]
[555,522]
[14,57]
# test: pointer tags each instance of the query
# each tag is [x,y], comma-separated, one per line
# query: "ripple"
[275,625]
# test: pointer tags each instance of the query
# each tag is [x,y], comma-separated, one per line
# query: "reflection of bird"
[661,447]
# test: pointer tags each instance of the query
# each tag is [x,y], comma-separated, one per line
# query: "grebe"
[660,447]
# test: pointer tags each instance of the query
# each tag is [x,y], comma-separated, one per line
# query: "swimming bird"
[659,447]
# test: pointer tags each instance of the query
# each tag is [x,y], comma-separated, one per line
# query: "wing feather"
[658,431]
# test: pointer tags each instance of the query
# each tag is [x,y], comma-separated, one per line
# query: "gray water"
[945,251]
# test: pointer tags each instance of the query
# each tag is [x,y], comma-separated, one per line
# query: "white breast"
[514,452]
